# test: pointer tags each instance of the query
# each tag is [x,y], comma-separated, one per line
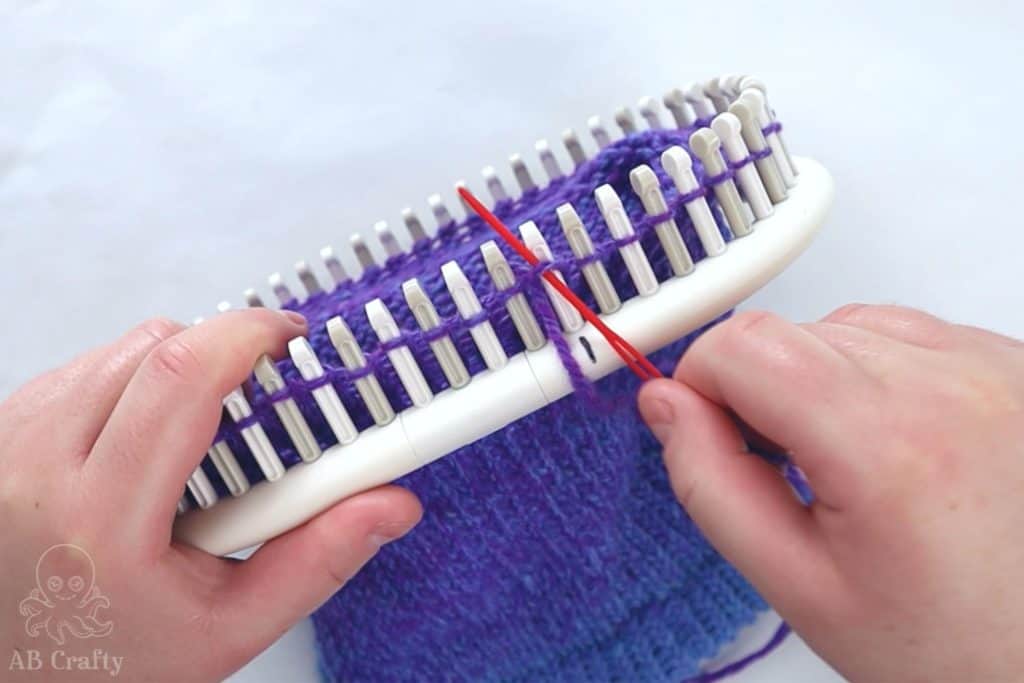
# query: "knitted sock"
[553,549]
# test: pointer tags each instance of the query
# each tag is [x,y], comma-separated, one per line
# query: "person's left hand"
[93,459]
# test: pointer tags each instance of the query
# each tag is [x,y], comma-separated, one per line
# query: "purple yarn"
[735,667]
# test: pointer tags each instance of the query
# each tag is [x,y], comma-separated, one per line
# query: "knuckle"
[737,335]
[749,324]
[176,360]
[685,489]
[340,573]
[342,566]
[753,320]
[159,329]
[849,313]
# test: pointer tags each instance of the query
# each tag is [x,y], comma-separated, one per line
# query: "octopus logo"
[66,597]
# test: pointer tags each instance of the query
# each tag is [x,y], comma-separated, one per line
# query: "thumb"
[743,506]
[293,574]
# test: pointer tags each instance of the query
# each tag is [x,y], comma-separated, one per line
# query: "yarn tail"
[710,676]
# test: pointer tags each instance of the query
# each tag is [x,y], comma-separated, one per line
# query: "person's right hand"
[909,565]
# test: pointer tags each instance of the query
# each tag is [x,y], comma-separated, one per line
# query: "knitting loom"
[743,180]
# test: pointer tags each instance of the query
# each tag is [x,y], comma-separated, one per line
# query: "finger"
[292,575]
[789,386]
[167,416]
[875,353]
[904,324]
[108,372]
[82,393]
[741,503]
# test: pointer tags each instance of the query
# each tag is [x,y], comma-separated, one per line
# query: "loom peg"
[401,357]
[568,316]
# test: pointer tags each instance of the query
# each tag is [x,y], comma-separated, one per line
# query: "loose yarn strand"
[729,669]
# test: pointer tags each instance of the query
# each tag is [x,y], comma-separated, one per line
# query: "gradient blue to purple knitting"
[553,549]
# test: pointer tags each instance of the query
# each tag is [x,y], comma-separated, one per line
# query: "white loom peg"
[223,307]
[620,228]
[228,468]
[675,102]
[548,160]
[518,309]
[753,136]
[494,185]
[597,130]
[730,85]
[280,289]
[679,166]
[252,298]
[648,107]
[401,358]
[567,314]
[386,238]
[467,210]
[573,146]
[701,103]
[727,128]
[287,410]
[437,207]
[325,396]
[413,225]
[427,318]
[625,120]
[594,273]
[714,92]
[707,146]
[353,359]
[747,82]
[307,278]
[362,252]
[255,438]
[469,306]
[522,173]
[754,93]
[333,265]
[201,488]
[646,186]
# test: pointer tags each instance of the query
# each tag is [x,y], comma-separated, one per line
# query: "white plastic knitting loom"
[772,211]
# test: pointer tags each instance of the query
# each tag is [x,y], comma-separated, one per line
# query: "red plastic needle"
[633,359]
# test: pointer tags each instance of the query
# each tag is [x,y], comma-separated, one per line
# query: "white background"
[158,159]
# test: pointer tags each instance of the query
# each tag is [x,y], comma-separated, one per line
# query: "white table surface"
[157,160]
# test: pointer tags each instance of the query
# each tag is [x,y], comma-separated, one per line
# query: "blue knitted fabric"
[553,549]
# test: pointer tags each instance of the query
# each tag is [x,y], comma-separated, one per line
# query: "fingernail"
[659,416]
[295,317]
[383,534]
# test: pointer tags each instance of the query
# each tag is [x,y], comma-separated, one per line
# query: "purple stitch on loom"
[727,174]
